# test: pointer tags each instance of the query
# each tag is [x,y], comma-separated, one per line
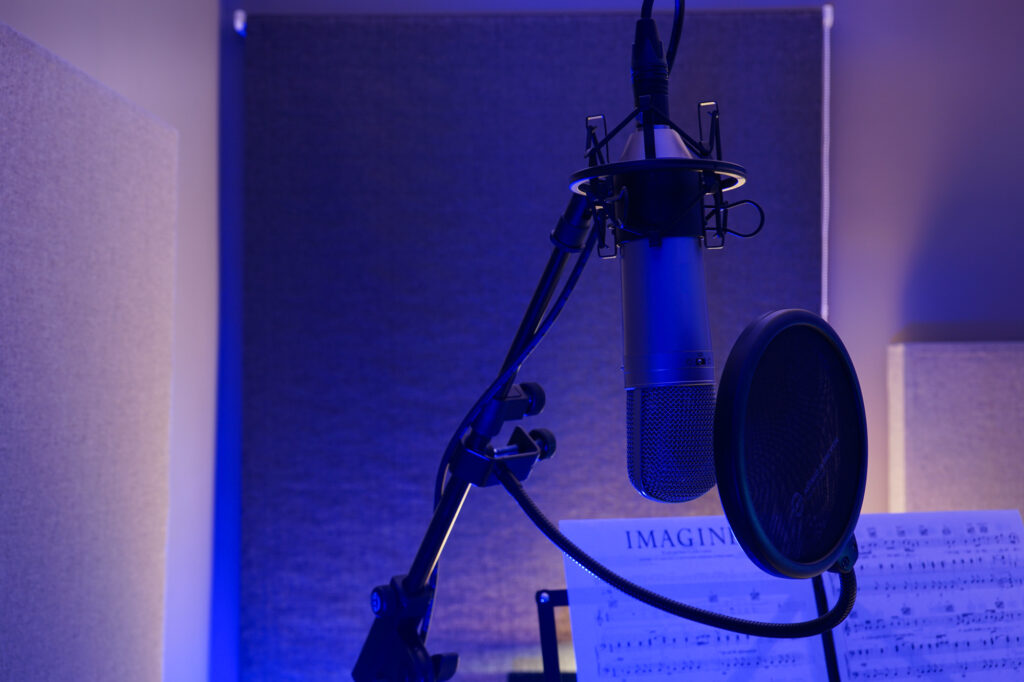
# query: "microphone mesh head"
[669,434]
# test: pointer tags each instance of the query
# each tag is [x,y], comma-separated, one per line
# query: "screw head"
[377,602]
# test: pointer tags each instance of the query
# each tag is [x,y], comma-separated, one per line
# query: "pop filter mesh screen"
[804,445]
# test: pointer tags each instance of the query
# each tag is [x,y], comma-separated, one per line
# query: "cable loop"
[809,628]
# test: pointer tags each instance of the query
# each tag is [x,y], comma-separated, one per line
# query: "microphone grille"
[669,440]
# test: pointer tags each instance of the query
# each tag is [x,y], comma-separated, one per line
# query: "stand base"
[393,650]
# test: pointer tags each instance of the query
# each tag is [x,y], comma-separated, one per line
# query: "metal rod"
[455,491]
[436,536]
[827,640]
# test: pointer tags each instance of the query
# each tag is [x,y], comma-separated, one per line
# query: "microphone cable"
[508,371]
[810,628]
[677,28]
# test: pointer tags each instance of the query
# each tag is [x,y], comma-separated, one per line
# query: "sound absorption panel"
[402,174]
[956,426]
[87,215]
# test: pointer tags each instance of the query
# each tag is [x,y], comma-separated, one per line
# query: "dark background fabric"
[401,177]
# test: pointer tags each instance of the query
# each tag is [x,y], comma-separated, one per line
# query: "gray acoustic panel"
[87,215]
[401,177]
[956,426]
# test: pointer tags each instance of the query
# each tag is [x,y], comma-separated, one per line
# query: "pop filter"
[791,445]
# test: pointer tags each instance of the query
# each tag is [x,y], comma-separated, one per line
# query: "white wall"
[163,56]
[927,239]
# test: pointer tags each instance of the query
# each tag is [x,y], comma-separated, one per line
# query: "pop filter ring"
[731,436]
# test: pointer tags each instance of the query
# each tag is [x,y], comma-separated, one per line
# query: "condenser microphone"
[667,358]
[658,189]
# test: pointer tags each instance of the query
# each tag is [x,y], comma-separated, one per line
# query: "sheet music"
[940,597]
[695,560]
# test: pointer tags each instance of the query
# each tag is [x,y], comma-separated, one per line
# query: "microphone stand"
[394,649]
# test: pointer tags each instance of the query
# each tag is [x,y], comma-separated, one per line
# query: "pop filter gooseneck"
[791,463]
[810,628]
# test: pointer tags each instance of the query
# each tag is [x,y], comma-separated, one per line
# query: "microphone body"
[669,369]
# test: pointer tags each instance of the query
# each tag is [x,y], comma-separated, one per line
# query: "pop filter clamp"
[395,648]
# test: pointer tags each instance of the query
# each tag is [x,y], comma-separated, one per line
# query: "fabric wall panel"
[956,425]
[87,217]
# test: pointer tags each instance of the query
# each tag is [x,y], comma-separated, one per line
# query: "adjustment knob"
[545,441]
[380,600]
[535,394]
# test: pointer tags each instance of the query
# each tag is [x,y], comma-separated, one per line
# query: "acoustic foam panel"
[401,177]
[87,214]
[956,426]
